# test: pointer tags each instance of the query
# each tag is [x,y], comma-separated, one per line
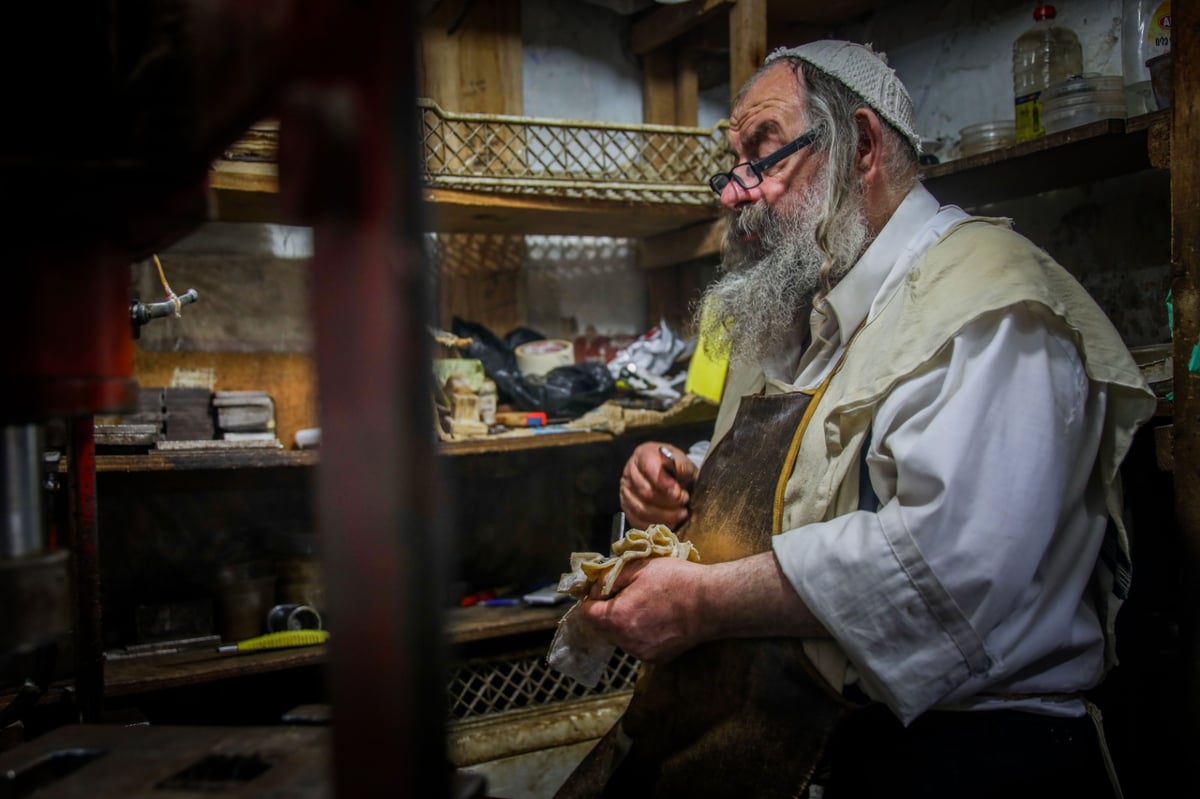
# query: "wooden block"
[225,399]
[245,418]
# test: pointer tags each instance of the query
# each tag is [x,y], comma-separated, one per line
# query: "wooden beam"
[671,22]
[241,191]
[658,87]
[687,86]
[1185,293]
[747,41]
[475,66]
[681,246]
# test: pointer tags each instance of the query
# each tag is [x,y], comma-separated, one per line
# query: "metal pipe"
[143,312]
[20,467]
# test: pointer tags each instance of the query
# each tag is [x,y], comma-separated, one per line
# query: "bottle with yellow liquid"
[1045,54]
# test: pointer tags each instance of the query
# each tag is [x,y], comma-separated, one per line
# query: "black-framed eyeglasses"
[749,174]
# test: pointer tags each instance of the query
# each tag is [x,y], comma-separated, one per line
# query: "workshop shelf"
[1099,150]
[513,175]
[569,158]
[200,459]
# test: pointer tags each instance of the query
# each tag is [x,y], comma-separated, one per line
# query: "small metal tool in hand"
[670,456]
[618,527]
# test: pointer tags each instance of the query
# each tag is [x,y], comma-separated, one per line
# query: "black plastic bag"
[564,391]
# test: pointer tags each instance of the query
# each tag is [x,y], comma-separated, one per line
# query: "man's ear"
[870,143]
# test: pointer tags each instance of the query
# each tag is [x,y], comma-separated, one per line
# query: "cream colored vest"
[979,266]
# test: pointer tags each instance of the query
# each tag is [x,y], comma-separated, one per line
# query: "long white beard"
[768,284]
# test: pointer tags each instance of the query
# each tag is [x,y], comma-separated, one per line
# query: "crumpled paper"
[577,650]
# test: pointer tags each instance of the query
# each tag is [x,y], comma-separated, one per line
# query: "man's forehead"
[775,95]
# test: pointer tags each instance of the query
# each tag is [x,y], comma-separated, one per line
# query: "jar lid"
[1044,12]
[997,127]
[1087,88]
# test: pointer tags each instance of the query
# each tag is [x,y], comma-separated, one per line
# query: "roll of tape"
[539,357]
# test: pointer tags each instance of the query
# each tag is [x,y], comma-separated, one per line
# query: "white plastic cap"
[866,73]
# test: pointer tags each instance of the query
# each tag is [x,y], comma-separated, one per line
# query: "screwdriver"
[279,640]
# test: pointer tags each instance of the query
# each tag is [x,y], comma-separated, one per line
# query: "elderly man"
[909,516]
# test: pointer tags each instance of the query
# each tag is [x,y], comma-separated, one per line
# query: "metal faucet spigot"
[142,312]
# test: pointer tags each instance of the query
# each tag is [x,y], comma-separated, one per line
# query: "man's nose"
[734,195]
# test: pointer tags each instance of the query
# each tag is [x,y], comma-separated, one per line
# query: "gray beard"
[768,284]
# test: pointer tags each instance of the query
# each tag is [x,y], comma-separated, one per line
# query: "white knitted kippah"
[866,73]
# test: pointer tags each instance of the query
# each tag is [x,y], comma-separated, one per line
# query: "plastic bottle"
[1046,53]
[1145,33]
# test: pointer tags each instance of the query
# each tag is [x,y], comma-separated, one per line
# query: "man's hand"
[654,488]
[662,607]
[654,614]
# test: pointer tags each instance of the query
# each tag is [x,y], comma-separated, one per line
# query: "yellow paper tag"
[706,375]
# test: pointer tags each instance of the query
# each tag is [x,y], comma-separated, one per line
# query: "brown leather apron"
[736,717]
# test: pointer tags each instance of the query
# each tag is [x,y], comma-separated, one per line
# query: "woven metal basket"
[568,158]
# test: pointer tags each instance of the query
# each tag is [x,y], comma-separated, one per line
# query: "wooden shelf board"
[1096,151]
[202,459]
[494,444]
[475,623]
[458,211]
[181,669]
[274,459]
[214,459]
[245,191]
[175,670]
[248,192]
[129,676]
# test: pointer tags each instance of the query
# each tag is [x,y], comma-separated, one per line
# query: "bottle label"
[1158,29]
[1028,111]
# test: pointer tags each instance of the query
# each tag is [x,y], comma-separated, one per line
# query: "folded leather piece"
[577,650]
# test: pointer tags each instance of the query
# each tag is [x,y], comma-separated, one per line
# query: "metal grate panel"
[523,680]
[593,160]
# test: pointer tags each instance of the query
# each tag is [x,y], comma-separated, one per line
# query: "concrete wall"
[955,56]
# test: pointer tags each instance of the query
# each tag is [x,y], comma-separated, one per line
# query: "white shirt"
[981,467]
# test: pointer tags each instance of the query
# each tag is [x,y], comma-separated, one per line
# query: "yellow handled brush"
[279,640]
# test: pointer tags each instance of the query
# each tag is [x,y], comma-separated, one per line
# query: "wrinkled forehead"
[772,103]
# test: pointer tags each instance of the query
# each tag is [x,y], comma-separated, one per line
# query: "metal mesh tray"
[568,158]
[660,164]
[523,680]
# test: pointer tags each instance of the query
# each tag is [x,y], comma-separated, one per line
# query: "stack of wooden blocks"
[244,415]
[187,414]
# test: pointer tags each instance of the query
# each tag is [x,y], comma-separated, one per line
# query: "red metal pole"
[348,167]
[85,553]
